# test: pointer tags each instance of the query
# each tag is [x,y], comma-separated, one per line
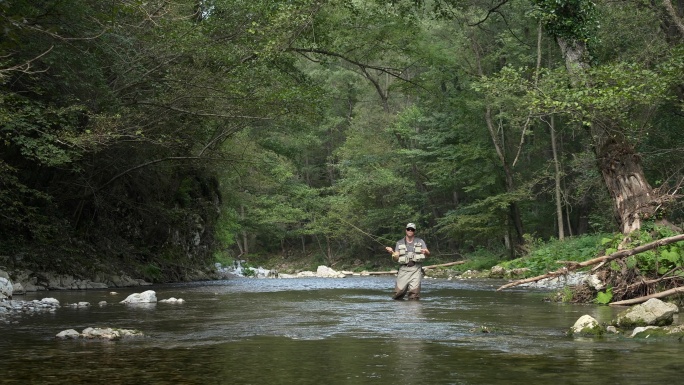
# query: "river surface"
[328,331]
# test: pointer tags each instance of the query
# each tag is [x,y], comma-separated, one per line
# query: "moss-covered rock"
[667,332]
[653,312]
[586,325]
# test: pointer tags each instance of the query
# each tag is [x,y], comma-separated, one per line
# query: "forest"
[157,136]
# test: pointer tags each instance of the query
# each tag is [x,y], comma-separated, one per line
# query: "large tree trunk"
[623,174]
[620,166]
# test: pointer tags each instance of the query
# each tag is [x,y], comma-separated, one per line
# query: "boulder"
[50,301]
[68,334]
[652,312]
[6,287]
[327,272]
[18,288]
[587,325]
[148,296]
[497,272]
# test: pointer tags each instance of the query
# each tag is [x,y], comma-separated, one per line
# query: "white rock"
[585,324]
[327,272]
[108,333]
[6,287]
[50,301]
[148,296]
[173,300]
[70,333]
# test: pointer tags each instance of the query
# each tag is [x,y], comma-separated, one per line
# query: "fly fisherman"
[409,252]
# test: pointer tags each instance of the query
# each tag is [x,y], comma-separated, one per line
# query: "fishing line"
[371,236]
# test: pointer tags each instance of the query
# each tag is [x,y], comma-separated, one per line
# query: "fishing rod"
[375,238]
[371,236]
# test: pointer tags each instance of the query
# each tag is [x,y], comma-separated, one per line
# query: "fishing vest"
[406,255]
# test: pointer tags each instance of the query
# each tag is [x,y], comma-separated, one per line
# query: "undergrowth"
[545,256]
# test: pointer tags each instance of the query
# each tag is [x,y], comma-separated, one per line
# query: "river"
[328,331]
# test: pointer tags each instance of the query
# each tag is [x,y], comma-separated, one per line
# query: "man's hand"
[389,249]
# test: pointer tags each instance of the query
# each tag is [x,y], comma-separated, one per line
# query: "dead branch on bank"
[570,265]
[444,265]
[424,268]
[382,272]
[645,298]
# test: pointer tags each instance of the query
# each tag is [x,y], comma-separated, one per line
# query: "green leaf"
[604,297]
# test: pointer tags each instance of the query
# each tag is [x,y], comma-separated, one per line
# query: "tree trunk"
[617,160]
[624,176]
[557,178]
[514,209]
[245,238]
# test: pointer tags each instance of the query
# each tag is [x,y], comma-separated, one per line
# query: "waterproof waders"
[408,281]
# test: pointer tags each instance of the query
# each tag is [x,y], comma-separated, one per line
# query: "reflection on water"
[338,331]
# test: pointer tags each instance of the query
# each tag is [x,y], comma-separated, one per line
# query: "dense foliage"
[162,136]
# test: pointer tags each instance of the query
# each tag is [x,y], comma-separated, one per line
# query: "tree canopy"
[163,135]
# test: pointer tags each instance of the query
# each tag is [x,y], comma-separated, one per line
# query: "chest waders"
[409,274]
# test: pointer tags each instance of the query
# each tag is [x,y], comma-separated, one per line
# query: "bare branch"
[26,66]
[149,163]
[197,113]
[388,70]
[489,13]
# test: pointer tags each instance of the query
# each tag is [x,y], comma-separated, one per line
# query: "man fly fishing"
[410,252]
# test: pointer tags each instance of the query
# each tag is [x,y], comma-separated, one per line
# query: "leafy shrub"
[544,257]
[656,261]
[151,272]
[481,259]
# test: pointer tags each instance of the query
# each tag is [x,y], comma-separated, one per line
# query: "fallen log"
[382,272]
[603,259]
[424,268]
[647,297]
[445,264]
[552,274]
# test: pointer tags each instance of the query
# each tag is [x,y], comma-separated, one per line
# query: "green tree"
[610,102]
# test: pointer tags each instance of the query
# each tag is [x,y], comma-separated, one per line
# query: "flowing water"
[328,331]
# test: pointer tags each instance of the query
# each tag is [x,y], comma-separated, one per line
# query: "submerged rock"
[173,300]
[15,307]
[90,333]
[657,332]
